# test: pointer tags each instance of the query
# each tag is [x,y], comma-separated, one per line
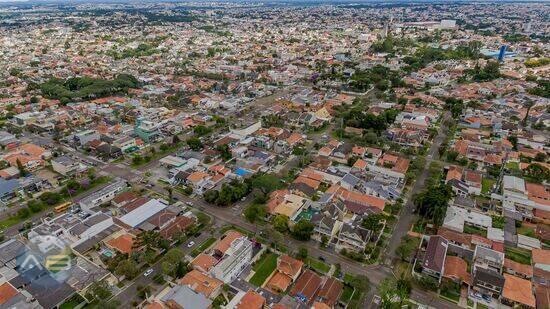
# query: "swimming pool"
[241,171]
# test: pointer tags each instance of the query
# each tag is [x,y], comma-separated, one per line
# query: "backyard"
[318,266]
[263,268]
[519,255]
[207,243]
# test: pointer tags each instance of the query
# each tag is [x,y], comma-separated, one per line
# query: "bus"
[62,207]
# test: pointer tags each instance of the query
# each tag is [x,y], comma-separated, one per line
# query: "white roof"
[456,217]
[513,183]
[495,234]
[143,212]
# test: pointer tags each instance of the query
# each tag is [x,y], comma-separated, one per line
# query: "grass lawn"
[153,156]
[526,230]
[474,230]
[348,278]
[486,185]
[72,302]
[11,221]
[263,268]
[451,294]
[207,243]
[481,306]
[512,166]
[318,265]
[346,294]
[519,255]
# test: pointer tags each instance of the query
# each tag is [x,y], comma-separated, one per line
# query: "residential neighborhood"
[205,155]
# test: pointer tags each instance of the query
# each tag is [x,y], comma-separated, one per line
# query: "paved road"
[407,216]
[375,273]
[129,294]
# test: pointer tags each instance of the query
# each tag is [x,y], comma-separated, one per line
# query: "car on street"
[148,272]
[190,244]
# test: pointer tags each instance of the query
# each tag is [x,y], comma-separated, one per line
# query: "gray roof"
[64,160]
[488,276]
[11,249]
[186,297]
[351,180]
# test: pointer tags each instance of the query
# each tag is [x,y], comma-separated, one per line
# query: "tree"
[201,130]
[303,230]
[21,168]
[99,290]
[23,213]
[147,239]
[280,223]
[171,264]
[170,191]
[302,253]
[432,202]
[537,173]
[211,196]
[407,247]
[194,143]
[266,183]
[175,140]
[225,152]
[394,291]
[514,141]
[254,212]
[372,222]
[127,268]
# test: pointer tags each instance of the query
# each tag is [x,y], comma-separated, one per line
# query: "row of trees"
[85,87]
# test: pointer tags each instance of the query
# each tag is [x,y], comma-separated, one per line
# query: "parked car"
[148,272]
[190,244]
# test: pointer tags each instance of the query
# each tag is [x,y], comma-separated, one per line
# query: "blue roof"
[8,186]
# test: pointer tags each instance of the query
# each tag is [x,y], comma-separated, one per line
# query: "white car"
[190,244]
[148,272]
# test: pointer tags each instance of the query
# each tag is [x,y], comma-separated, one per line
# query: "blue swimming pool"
[241,171]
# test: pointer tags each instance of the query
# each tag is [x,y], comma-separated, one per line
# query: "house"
[488,282]
[124,198]
[541,259]
[456,269]
[103,195]
[84,137]
[199,181]
[8,189]
[433,264]
[202,283]
[124,243]
[330,293]
[204,262]
[353,237]
[517,292]
[456,218]
[306,288]
[326,227]
[518,269]
[288,270]
[250,300]
[523,198]
[66,166]
[183,296]
[488,259]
